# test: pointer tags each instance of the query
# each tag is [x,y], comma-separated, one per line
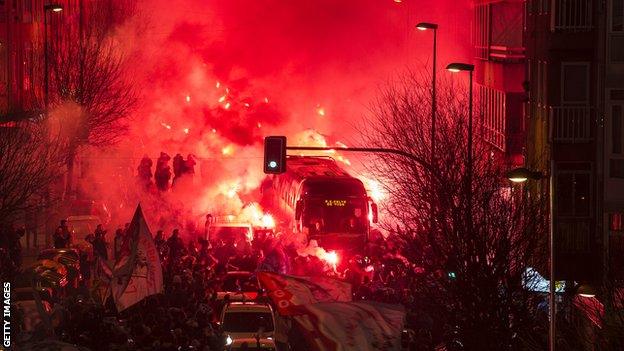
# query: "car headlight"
[228,340]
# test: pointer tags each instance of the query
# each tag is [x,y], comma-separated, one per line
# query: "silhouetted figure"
[163,172]
[99,243]
[175,245]
[145,170]
[159,240]
[178,167]
[118,243]
[189,165]
[62,236]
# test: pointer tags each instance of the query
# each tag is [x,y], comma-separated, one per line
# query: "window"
[616,124]
[506,24]
[574,83]
[617,16]
[492,105]
[616,168]
[615,222]
[616,129]
[573,194]
[498,31]
[482,31]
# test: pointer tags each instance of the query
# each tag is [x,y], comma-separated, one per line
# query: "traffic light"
[274,154]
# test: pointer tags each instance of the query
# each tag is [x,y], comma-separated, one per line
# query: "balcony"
[570,124]
[573,235]
[571,15]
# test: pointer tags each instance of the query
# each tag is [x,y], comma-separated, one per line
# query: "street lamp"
[465,67]
[56,8]
[434,27]
[586,290]
[53,7]
[47,8]
[520,175]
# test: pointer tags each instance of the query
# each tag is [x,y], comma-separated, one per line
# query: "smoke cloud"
[215,77]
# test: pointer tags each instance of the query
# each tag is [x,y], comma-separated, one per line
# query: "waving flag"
[290,292]
[137,274]
[351,326]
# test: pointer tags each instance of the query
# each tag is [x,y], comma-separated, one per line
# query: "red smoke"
[216,76]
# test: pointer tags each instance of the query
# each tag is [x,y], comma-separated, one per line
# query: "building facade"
[499,56]
[575,88]
[25,25]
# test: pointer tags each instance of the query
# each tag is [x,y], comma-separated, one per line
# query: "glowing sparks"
[218,85]
[165,125]
[246,104]
[188,98]
[227,106]
[320,111]
[343,159]
[259,125]
[374,188]
[266,100]
[254,214]
[232,191]
[268,221]
[228,150]
[222,98]
[331,258]
[186,130]
[214,130]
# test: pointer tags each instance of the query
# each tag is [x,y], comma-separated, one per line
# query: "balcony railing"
[573,235]
[571,15]
[570,124]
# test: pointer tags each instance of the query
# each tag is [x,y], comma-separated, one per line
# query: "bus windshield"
[335,215]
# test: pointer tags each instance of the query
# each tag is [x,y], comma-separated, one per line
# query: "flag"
[101,284]
[137,274]
[351,326]
[290,292]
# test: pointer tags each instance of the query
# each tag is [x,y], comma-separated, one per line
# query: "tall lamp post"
[521,175]
[46,99]
[47,8]
[434,27]
[465,67]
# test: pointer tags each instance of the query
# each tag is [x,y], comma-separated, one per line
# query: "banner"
[290,292]
[138,274]
[346,326]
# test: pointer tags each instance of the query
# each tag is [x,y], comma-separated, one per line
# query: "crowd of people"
[162,174]
[185,315]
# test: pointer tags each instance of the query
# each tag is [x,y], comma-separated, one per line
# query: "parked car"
[25,302]
[247,321]
[70,258]
[264,344]
[81,227]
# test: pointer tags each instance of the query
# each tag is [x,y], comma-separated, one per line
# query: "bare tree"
[30,160]
[475,257]
[88,68]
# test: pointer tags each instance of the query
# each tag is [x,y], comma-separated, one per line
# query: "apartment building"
[573,114]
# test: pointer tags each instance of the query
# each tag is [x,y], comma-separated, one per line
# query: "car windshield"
[247,322]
